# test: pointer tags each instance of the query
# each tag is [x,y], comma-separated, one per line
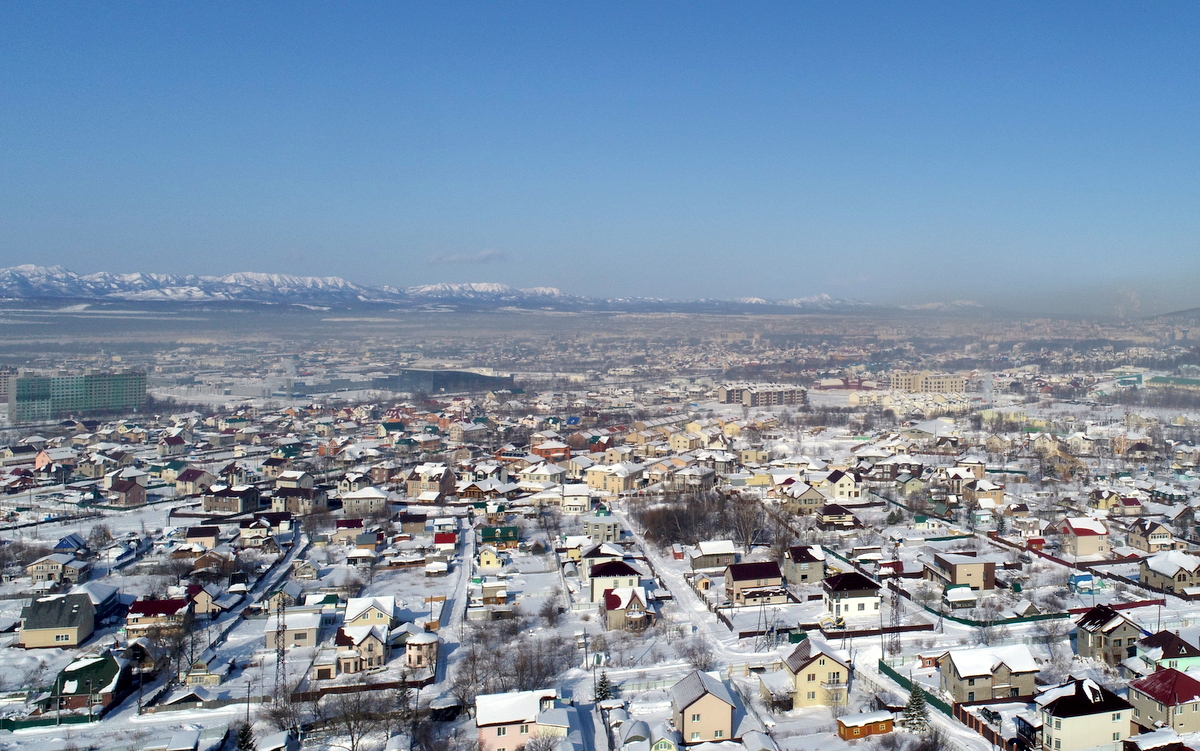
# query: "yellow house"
[489,557]
[814,675]
[702,708]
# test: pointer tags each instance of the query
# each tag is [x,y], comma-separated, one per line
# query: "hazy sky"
[879,151]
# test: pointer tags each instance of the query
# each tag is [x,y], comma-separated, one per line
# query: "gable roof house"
[988,672]
[1170,571]
[1083,536]
[702,708]
[64,621]
[507,721]
[813,675]
[1168,698]
[1106,635]
[1082,714]
[755,584]
[611,575]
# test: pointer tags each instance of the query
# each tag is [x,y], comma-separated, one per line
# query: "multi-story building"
[925,381]
[761,394]
[1083,716]
[34,397]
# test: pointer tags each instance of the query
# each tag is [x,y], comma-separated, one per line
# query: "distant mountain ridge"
[30,282]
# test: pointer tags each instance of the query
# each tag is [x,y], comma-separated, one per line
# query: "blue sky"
[880,151]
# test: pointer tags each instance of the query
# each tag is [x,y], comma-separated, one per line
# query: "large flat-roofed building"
[760,394]
[926,381]
[36,397]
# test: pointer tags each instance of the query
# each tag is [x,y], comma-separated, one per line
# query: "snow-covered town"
[957,559]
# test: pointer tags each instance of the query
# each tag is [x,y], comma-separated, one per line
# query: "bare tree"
[355,714]
[699,653]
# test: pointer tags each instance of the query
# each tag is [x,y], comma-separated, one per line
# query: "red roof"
[349,523]
[445,538]
[1169,687]
[158,607]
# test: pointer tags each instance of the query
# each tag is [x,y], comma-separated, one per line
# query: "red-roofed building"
[155,616]
[447,541]
[1083,536]
[1169,697]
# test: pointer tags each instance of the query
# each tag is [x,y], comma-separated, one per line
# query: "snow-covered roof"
[514,706]
[984,660]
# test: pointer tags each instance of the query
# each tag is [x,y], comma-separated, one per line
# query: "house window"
[834,676]
[1058,724]
[812,677]
[1117,736]
[970,696]
[970,681]
[718,734]
[1057,744]
[62,637]
[1116,717]
[695,736]
[524,730]
[695,718]
[812,695]
[501,732]
[862,606]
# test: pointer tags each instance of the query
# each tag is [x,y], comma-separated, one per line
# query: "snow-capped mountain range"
[29,282]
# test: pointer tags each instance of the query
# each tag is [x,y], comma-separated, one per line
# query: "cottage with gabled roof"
[611,575]
[1105,634]
[813,675]
[1168,698]
[1170,571]
[64,621]
[1082,714]
[702,708]
[988,672]
[1081,536]
[758,583]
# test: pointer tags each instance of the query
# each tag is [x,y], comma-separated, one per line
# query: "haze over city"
[1031,157]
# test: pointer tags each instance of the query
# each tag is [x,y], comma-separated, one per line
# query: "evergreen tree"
[603,687]
[916,712]
[244,737]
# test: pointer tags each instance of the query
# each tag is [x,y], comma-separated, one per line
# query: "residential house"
[988,672]
[207,537]
[91,682]
[431,483]
[1171,571]
[366,611]
[152,617]
[64,621]
[804,564]
[1081,536]
[193,481]
[508,721]
[299,629]
[851,594]
[954,569]
[755,584]
[501,538]
[800,498]
[626,609]
[714,554]
[1105,634]
[813,675]
[365,501]
[1168,698]
[1152,537]
[611,575]
[53,568]
[1167,649]
[702,709]
[236,499]
[602,528]
[362,647]
[1081,714]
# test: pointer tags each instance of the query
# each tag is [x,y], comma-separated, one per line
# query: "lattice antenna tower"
[280,648]
[896,607]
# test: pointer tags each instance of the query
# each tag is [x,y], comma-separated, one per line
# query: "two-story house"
[988,672]
[1082,714]
[1105,634]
